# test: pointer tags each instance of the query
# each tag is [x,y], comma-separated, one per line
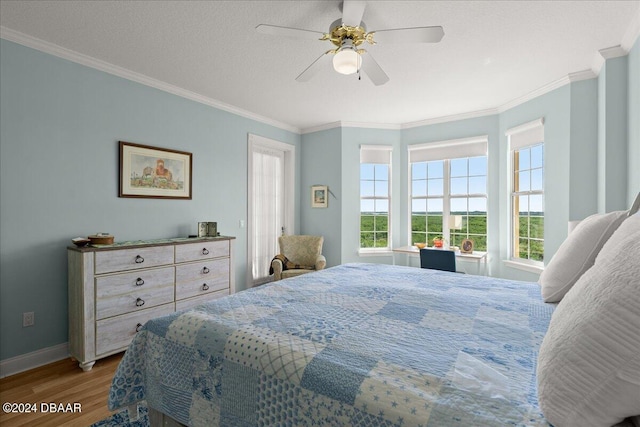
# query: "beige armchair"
[298,255]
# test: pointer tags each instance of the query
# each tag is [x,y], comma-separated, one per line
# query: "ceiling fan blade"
[274,30]
[313,69]
[409,35]
[352,12]
[373,70]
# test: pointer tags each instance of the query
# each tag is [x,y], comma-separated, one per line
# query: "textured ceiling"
[493,52]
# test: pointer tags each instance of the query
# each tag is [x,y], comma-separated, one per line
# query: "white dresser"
[115,289]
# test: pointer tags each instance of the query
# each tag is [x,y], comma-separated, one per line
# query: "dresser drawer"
[201,277]
[202,250]
[130,259]
[128,292]
[116,333]
[186,304]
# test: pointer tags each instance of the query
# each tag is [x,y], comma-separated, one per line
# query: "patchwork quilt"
[353,345]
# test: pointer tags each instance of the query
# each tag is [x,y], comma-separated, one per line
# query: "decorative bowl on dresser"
[115,289]
[80,241]
[101,239]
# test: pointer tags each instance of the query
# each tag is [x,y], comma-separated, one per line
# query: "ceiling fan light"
[346,61]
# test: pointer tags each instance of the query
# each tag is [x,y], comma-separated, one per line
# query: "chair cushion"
[589,362]
[295,272]
[302,250]
[577,254]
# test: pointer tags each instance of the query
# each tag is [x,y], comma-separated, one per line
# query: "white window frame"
[519,137]
[446,151]
[376,154]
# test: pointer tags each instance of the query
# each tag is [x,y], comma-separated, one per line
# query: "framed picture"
[152,172]
[207,229]
[467,246]
[319,196]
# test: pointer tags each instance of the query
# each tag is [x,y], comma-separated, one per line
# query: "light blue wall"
[612,135]
[633,184]
[320,164]
[60,124]
[583,161]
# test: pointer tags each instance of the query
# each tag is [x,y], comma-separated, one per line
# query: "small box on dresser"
[114,290]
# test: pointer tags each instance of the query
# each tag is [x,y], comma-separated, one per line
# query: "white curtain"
[268,209]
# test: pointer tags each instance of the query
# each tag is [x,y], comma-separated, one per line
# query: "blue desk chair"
[438,259]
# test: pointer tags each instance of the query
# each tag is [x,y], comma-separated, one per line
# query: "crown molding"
[581,75]
[569,78]
[451,118]
[343,124]
[602,55]
[319,128]
[387,126]
[613,52]
[82,59]
[534,94]
[628,40]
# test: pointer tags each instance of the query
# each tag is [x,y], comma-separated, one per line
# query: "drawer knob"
[205,251]
[138,326]
[139,281]
[139,259]
[139,302]
[205,287]
[205,270]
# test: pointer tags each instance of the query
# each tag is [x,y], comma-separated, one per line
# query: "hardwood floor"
[64,383]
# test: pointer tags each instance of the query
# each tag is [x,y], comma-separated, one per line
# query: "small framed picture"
[467,246]
[319,196]
[207,229]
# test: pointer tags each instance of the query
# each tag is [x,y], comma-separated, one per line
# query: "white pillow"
[589,362]
[577,254]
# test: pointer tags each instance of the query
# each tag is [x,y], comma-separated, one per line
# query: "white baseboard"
[24,362]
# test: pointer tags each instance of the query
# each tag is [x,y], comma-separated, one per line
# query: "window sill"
[523,266]
[375,252]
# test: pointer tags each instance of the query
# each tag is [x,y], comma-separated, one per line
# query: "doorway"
[270,203]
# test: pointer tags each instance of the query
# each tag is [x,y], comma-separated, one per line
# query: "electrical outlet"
[28,319]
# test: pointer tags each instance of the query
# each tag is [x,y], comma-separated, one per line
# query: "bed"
[352,345]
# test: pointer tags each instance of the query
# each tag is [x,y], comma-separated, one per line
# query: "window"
[449,192]
[468,200]
[526,143]
[427,200]
[375,197]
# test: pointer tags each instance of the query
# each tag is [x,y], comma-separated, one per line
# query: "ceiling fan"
[348,34]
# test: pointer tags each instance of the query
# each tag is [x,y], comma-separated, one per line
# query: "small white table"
[479,257]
